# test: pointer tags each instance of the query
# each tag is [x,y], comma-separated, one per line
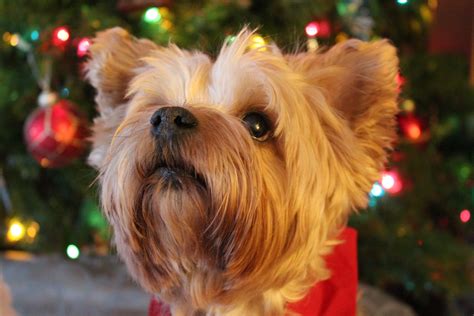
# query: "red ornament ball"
[56,134]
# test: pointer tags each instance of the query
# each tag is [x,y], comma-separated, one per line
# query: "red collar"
[332,297]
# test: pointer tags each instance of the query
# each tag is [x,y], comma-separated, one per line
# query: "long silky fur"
[251,234]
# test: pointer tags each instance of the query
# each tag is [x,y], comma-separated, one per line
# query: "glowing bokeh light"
[60,37]
[391,182]
[413,130]
[166,25]
[377,190]
[426,13]
[312,29]
[402,1]
[32,230]
[72,251]
[388,181]
[341,37]
[34,35]
[164,12]
[83,47]
[7,36]
[410,126]
[14,40]
[257,42]
[408,105]
[465,216]
[152,15]
[62,34]
[16,231]
[464,172]
[65,92]
[230,39]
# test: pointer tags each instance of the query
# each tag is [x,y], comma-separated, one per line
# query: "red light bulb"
[83,47]
[413,130]
[465,216]
[312,29]
[60,36]
[391,182]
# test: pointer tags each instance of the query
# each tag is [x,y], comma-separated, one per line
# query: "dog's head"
[228,179]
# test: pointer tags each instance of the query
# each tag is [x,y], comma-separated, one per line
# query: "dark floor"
[54,286]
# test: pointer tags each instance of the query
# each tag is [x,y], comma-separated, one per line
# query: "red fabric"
[158,309]
[337,295]
[333,297]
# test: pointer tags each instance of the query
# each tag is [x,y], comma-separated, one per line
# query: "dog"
[228,180]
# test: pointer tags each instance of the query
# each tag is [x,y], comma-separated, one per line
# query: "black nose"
[172,120]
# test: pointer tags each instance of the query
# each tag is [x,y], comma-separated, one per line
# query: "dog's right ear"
[114,55]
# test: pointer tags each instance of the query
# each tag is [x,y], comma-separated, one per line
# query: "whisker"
[96,179]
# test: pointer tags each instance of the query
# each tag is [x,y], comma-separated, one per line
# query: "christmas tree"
[415,238]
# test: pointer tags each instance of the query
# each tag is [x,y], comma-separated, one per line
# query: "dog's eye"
[258,125]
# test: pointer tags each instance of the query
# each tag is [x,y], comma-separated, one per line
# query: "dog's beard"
[194,217]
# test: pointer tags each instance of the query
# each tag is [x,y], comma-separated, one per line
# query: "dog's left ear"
[358,81]
[114,56]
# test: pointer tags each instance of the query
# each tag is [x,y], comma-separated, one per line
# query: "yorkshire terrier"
[228,180]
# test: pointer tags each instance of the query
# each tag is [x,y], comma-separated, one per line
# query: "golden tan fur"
[247,233]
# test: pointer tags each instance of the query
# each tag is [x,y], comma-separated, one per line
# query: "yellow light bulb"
[164,12]
[257,42]
[341,37]
[166,25]
[14,40]
[7,36]
[16,231]
[408,105]
[426,14]
[32,230]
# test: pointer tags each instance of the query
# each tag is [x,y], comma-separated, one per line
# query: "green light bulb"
[72,251]
[152,15]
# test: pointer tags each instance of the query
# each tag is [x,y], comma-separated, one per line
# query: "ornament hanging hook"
[42,76]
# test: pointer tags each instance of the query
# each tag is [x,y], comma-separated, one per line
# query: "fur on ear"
[114,55]
[358,82]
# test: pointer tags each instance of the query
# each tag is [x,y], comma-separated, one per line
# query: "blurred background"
[416,237]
